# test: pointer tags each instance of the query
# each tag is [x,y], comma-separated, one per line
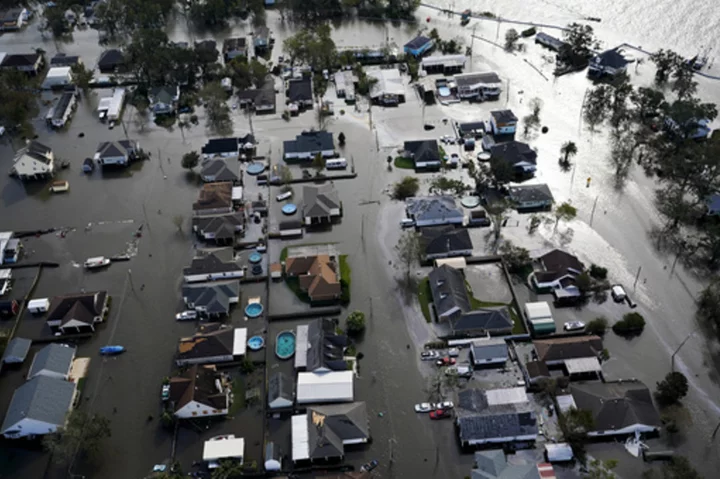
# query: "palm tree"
[568,150]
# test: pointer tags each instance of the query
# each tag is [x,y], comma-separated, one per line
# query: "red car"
[440,414]
[446,361]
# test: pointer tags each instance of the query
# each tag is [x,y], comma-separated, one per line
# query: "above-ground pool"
[255,257]
[253,310]
[256,343]
[444,91]
[285,344]
[484,156]
[289,209]
[255,168]
[470,201]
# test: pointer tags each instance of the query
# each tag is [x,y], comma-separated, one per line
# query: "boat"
[60,186]
[96,262]
[112,350]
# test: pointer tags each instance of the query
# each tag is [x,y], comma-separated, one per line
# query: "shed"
[276,270]
[280,391]
[328,387]
[455,263]
[560,452]
[583,366]
[223,447]
[16,351]
[239,342]
[38,306]
[489,352]
[57,77]
[273,458]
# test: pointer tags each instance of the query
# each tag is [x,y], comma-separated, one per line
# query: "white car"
[424,407]
[453,352]
[574,326]
[186,316]
[429,355]
[618,293]
[444,405]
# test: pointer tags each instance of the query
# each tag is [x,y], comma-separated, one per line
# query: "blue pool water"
[255,168]
[256,343]
[285,344]
[444,91]
[255,257]
[289,209]
[253,310]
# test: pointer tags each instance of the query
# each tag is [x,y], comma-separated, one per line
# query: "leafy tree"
[647,102]
[511,38]
[406,188]
[502,171]
[677,468]
[596,109]
[355,323]
[564,212]
[516,258]
[216,109]
[319,163]
[56,22]
[684,84]
[258,72]
[408,249]
[313,47]
[632,323]
[498,212]
[229,469]
[18,105]
[581,42]
[239,72]
[598,272]
[666,62]
[671,389]
[444,184]
[601,470]
[81,76]
[597,326]
[576,423]
[205,58]
[341,139]
[81,437]
[190,160]
[620,91]
[568,150]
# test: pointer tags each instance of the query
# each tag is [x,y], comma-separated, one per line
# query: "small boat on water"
[59,186]
[96,262]
[112,350]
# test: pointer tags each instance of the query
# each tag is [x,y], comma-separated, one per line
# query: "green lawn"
[424,297]
[518,325]
[404,163]
[283,254]
[238,391]
[345,279]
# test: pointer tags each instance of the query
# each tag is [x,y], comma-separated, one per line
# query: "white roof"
[5,274]
[58,72]
[240,342]
[540,321]
[389,82]
[37,303]
[582,365]
[333,386]
[104,103]
[455,263]
[445,60]
[231,447]
[300,439]
[558,452]
[506,396]
[538,310]
[301,346]
[237,193]
[565,402]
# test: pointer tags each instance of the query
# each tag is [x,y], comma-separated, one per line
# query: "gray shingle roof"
[324,347]
[503,116]
[447,286]
[611,58]
[482,350]
[55,358]
[348,421]
[428,208]
[445,240]
[310,141]
[487,319]
[280,386]
[17,348]
[219,170]
[41,398]
[300,89]
[514,152]
[214,297]
[210,264]
[116,148]
[423,150]
[493,465]
[478,420]
[220,145]
[319,200]
[528,193]
[616,405]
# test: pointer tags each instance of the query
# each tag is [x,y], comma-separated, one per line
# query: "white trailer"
[38,306]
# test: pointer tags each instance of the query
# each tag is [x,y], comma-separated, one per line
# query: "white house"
[120,152]
[33,162]
[110,108]
[57,77]
[52,361]
[483,86]
[328,387]
[503,122]
[555,269]
[223,448]
[199,392]
[540,317]
[38,407]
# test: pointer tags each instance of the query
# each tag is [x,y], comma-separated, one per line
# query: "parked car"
[440,414]
[460,371]
[453,352]
[429,355]
[574,326]
[186,315]
[423,407]
[446,361]
[369,466]
[618,293]
[445,405]
[165,394]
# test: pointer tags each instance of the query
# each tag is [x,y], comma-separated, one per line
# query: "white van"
[618,293]
[407,222]
[284,196]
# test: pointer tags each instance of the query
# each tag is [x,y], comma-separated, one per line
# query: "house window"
[205,411]
[194,413]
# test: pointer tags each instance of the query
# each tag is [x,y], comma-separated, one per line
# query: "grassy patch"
[238,392]
[518,324]
[165,121]
[283,254]
[424,296]
[404,163]
[345,280]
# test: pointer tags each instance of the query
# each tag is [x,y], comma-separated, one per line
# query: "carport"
[583,367]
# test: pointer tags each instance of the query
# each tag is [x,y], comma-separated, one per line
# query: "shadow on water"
[111,172]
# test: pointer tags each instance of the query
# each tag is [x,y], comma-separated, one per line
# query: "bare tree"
[408,250]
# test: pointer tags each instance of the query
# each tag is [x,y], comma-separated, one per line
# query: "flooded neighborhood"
[386,240]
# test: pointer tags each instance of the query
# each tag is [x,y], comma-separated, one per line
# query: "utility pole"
[637,276]
[472,42]
[592,214]
[129,274]
[677,350]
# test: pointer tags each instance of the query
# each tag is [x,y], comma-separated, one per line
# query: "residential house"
[77,313]
[488,352]
[234,47]
[52,361]
[120,152]
[388,88]
[280,391]
[262,40]
[318,276]
[30,63]
[221,147]
[13,19]
[220,449]
[424,153]
[35,161]
[713,204]
[111,61]
[321,434]
[290,228]
[478,86]
[195,393]
[556,352]
[212,265]
[493,464]
[214,198]
[38,407]
[308,144]
[164,99]
[64,60]
[218,171]
[211,300]
[609,62]
[321,204]
[216,344]
[555,269]
[540,317]
[327,387]
[260,100]
[445,242]
[300,92]
[60,113]
[418,46]
[16,351]
[531,197]
[549,41]
[503,122]
[535,373]
[57,78]
[345,85]
[495,416]
[449,292]
[618,408]
[444,64]
[518,155]
[319,348]
[495,321]
[433,210]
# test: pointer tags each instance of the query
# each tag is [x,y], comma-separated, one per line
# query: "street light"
[672,358]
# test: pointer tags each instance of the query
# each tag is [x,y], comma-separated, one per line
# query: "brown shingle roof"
[558,263]
[83,307]
[205,345]
[568,348]
[214,195]
[197,384]
[317,274]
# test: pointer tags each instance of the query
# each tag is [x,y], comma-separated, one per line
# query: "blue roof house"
[418,46]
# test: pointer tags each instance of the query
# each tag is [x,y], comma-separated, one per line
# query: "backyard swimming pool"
[285,344]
